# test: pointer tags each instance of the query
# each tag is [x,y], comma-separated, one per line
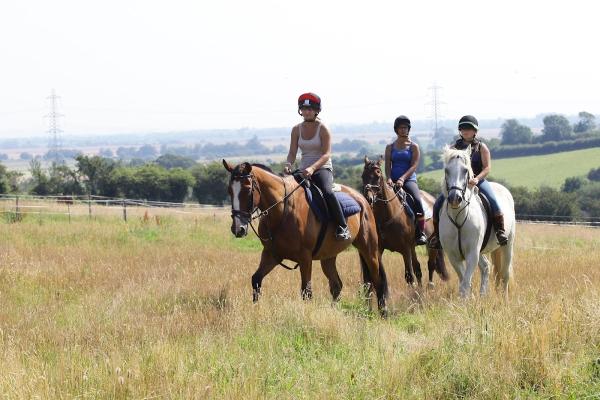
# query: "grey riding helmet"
[468,121]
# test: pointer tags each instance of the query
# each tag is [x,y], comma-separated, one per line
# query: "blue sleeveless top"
[400,160]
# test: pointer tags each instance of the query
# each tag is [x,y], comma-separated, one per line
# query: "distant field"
[534,171]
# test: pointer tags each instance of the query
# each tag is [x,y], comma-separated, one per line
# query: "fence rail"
[18,206]
[92,206]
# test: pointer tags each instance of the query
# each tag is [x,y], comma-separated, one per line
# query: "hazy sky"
[131,66]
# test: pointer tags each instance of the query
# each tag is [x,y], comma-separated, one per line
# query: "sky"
[124,66]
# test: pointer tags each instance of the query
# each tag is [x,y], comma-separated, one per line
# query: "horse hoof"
[255,296]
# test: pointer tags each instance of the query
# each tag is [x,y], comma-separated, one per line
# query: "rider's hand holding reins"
[473,182]
[308,171]
[400,182]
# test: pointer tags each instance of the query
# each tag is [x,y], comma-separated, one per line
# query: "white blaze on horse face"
[236,188]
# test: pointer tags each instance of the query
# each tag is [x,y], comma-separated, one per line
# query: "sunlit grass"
[162,309]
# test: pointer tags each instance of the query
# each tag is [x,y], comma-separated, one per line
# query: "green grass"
[535,171]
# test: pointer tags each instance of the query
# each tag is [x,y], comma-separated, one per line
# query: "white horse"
[463,221]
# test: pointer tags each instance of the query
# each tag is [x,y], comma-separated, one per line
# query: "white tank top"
[311,149]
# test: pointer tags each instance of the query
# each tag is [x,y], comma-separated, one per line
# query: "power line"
[54,130]
[435,108]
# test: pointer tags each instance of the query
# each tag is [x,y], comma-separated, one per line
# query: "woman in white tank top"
[314,140]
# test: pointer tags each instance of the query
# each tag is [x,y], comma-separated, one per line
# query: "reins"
[265,213]
[466,206]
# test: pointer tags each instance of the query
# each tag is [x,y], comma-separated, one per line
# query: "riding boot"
[420,238]
[434,239]
[499,227]
[342,232]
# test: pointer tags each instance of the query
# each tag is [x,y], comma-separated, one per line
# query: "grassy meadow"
[161,309]
[535,171]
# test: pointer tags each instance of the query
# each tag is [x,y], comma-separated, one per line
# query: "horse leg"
[408,266]
[335,283]
[484,267]
[431,265]
[416,265]
[267,263]
[504,268]
[306,275]
[471,261]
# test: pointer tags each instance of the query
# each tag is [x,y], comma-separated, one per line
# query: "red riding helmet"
[310,100]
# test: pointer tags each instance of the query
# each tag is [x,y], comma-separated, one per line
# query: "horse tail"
[382,275]
[440,265]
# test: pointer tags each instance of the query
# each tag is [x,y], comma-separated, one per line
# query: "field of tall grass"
[161,308]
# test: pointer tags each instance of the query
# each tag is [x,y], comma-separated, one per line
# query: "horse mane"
[451,153]
[262,166]
[464,155]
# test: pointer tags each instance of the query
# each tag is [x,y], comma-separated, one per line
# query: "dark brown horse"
[288,229]
[394,225]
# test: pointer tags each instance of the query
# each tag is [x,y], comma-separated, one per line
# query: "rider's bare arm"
[291,158]
[486,161]
[388,161]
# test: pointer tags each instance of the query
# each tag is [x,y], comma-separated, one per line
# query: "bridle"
[250,216]
[466,202]
[378,192]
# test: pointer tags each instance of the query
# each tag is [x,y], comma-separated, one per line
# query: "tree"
[39,179]
[587,122]
[514,133]
[5,184]
[170,161]
[146,151]
[594,174]
[26,156]
[211,184]
[573,184]
[556,127]
[96,173]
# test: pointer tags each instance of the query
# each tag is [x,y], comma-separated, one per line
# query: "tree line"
[172,178]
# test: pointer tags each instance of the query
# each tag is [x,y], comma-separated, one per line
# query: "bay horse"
[394,225]
[289,229]
[463,222]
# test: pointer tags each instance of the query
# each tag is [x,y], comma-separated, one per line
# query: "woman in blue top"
[401,160]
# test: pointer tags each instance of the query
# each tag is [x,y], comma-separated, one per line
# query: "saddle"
[316,201]
[409,203]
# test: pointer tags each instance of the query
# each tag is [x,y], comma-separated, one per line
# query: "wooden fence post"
[124,211]
[90,206]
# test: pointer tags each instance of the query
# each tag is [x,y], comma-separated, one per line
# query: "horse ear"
[227,166]
[380,159]
[366,160]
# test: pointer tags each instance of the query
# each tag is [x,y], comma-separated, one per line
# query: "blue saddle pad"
[317,204]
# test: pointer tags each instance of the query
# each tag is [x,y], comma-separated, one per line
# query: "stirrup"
[342,233]
[502,238]
[420,239]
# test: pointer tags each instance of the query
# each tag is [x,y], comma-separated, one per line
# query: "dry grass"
[104,309]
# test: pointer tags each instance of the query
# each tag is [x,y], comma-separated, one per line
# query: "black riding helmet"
[401,120]
[309,100]
[468,121]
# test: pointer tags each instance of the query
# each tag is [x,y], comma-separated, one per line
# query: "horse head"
[457,172]
[245,196]
[372,179]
